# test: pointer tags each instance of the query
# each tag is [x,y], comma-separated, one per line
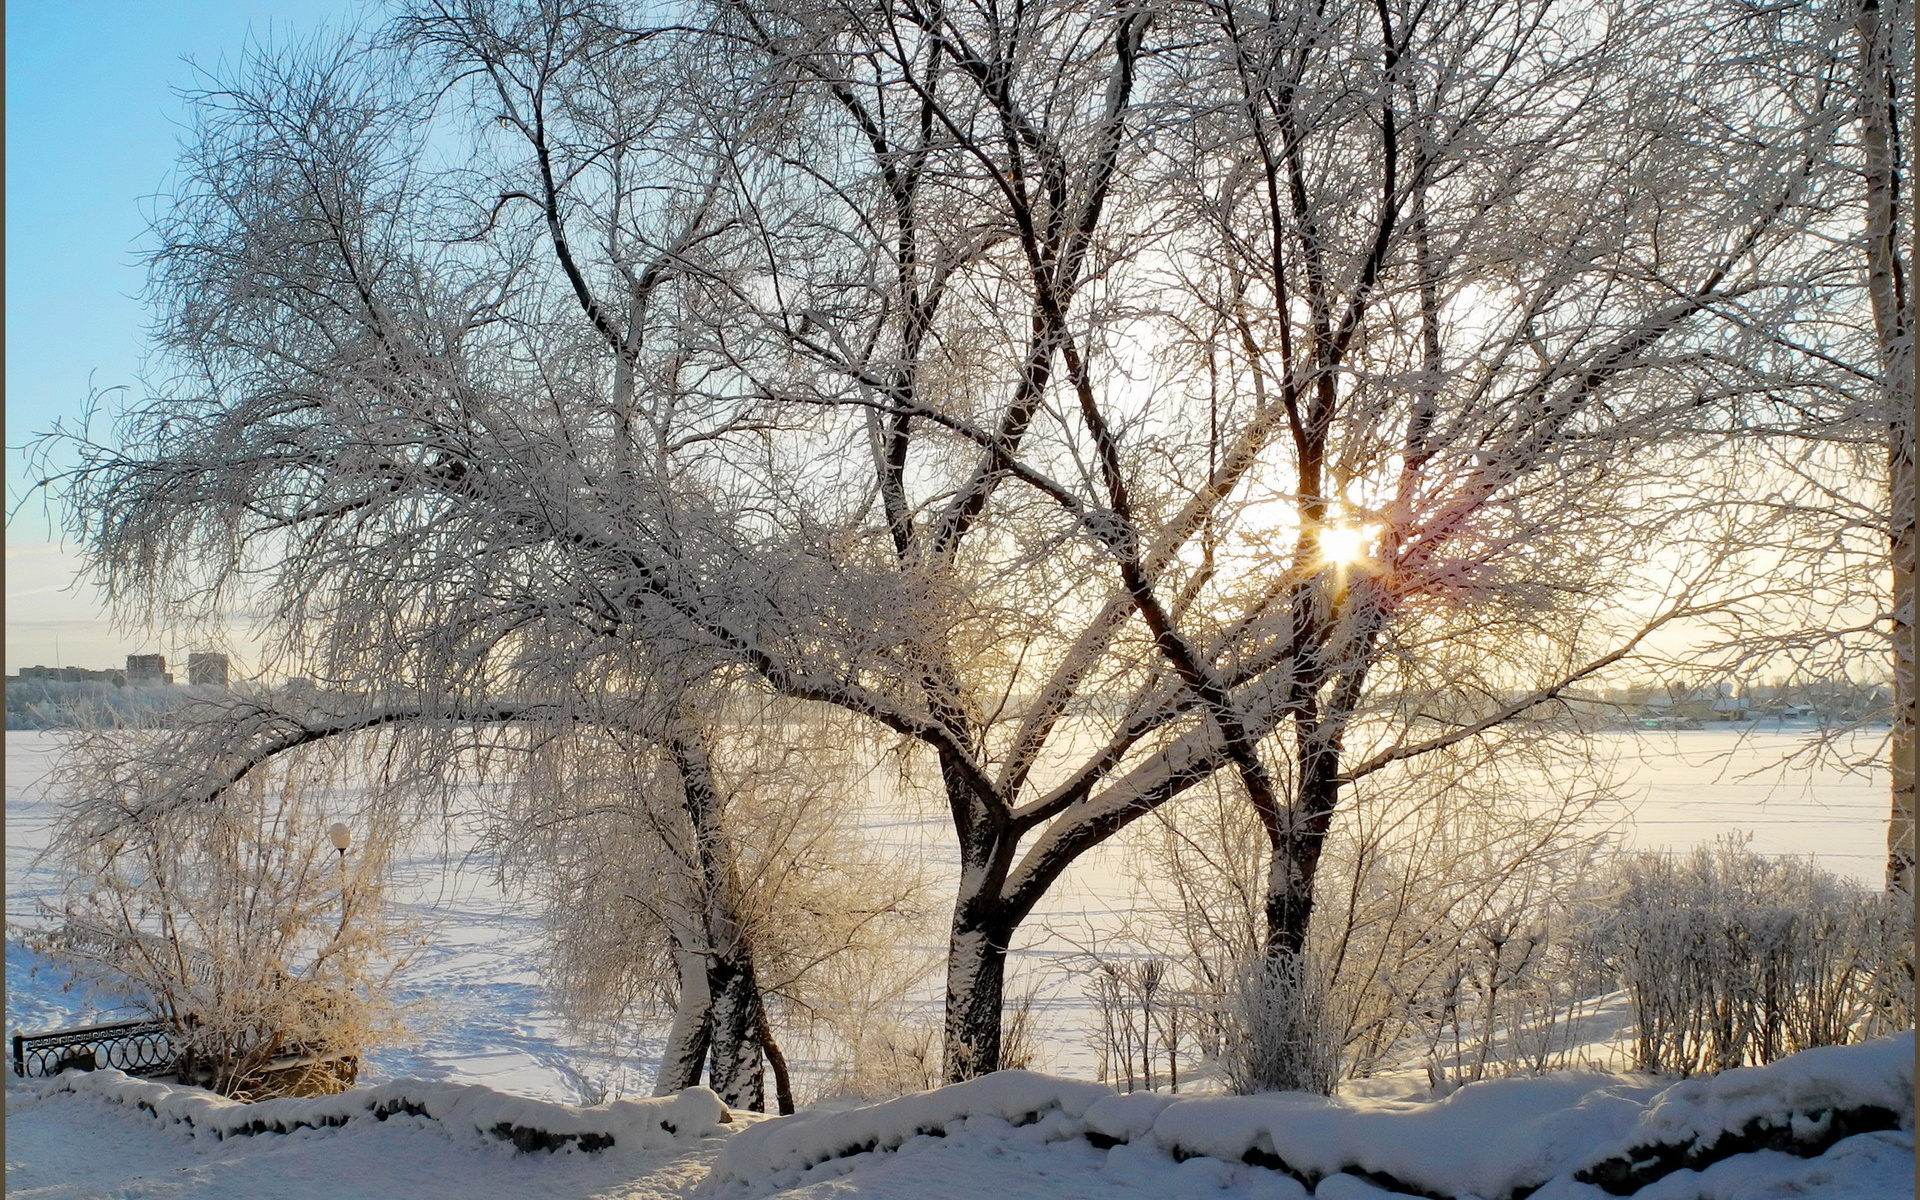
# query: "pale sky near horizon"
[94,121]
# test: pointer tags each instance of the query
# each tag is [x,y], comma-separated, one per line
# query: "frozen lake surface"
[481,1017]
[1689,787]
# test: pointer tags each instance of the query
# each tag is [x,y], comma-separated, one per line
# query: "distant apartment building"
[147,669]
[207,669]
[72,675]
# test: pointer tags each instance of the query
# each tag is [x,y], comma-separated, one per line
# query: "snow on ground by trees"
[1832,1124]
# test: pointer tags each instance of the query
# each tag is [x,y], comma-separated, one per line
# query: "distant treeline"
[93,704]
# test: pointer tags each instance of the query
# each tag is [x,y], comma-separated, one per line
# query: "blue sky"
[93,125]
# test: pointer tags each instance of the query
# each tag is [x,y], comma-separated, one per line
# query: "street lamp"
[341,837]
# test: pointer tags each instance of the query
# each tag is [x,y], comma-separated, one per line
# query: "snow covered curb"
[1801,1105]
[1500,1140]
[774,1152]
[530,1125]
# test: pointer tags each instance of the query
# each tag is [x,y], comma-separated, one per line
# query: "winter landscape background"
[1051,592]
[482,1019]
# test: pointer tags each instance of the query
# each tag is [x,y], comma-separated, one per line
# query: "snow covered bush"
[1733,958]
[233,919]
[1442,935]
[1279,1037]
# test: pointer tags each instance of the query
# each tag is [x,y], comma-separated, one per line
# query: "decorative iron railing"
[136,1047]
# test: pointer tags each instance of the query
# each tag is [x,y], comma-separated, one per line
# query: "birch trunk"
[1889,287]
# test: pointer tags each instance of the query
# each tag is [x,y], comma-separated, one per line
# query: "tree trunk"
[982,926]
[976,983]
[736,1072]
[692,1030]
[1889,288]
[1900,847]
[1303,837]
[733,990]
[782,1080]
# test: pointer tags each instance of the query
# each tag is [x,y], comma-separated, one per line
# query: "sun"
[1345,544]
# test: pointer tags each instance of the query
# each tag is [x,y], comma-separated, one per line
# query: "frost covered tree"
[731,892]
[1093,400]
[1818,425]
[1484,267]
[717,857]
[1357,418]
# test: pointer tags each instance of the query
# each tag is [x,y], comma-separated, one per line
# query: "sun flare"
[1343,544]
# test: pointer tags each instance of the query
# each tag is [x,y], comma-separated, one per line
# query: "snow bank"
[1486,1139]
[1801,1105]
[647,1125]
[1504,1137]
[1582,1135]
[773,1153]
[1875,1074]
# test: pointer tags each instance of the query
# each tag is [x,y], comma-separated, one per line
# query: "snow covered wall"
[1567,1135]
[653,1125]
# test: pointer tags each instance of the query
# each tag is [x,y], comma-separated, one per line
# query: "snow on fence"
[647,1125]
[1502,1139]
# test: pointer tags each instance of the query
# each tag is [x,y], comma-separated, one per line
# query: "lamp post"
[342,837]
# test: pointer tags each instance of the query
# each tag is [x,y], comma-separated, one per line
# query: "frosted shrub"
[1440,927]
[1733,958]
[890,1056]
[1511,1001]
[1020,1038]
[1279,1037]
[232,919]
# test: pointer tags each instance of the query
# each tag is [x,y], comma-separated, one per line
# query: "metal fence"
[136,1047]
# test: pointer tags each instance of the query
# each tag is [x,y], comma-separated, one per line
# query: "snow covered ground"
[1832,1124]
[1689,787]
[483,1021]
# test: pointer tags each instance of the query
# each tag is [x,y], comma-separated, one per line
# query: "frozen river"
[1686,788]
[484,1019]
